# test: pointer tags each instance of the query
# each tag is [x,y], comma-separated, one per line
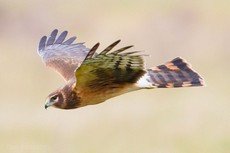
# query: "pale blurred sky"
[162,121]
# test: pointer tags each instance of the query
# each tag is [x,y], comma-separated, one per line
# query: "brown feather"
[92,51]
[110,47]
[176,73]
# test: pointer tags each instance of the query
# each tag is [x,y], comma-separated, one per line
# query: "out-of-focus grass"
[163,121]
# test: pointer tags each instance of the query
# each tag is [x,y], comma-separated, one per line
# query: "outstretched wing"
[64,56]
[109,70]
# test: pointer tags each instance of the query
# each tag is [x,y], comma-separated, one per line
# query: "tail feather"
[176,73]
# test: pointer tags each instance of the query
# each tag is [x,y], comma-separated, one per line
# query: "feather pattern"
[122,49]
[92,51]
[63,56]
[110,47]
[110,69]
[176,73]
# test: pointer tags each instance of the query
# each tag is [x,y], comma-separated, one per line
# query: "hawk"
[93,78]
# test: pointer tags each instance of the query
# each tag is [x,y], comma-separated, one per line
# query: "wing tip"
[61,37]
[53,39]
[55,31]
[42,43]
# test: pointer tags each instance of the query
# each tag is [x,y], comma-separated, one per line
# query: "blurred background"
[188,120]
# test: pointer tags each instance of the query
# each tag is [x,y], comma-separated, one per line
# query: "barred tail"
[176,73]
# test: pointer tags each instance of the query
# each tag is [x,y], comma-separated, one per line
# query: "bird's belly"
[99,96]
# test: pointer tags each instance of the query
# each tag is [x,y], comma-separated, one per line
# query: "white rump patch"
[145,82]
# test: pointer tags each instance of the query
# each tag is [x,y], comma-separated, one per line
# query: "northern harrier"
[93,78]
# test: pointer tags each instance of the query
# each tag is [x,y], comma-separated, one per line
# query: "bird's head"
[55,99]
[63,98]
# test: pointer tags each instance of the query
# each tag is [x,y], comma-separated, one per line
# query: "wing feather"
[122,49]
[61,38]
[63,56]
[52,37]
[70,41]
[92,51]
[110,47]
[110,70]
[42,43]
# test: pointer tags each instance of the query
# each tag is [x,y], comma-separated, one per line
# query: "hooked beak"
[48,104]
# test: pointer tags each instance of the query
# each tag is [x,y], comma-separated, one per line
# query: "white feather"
[145,82]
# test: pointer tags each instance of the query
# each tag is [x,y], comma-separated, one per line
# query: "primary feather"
[63,56]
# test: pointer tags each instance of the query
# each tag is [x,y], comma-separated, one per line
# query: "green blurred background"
[188,120]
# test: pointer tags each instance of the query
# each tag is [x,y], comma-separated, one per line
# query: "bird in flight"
[92,78]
